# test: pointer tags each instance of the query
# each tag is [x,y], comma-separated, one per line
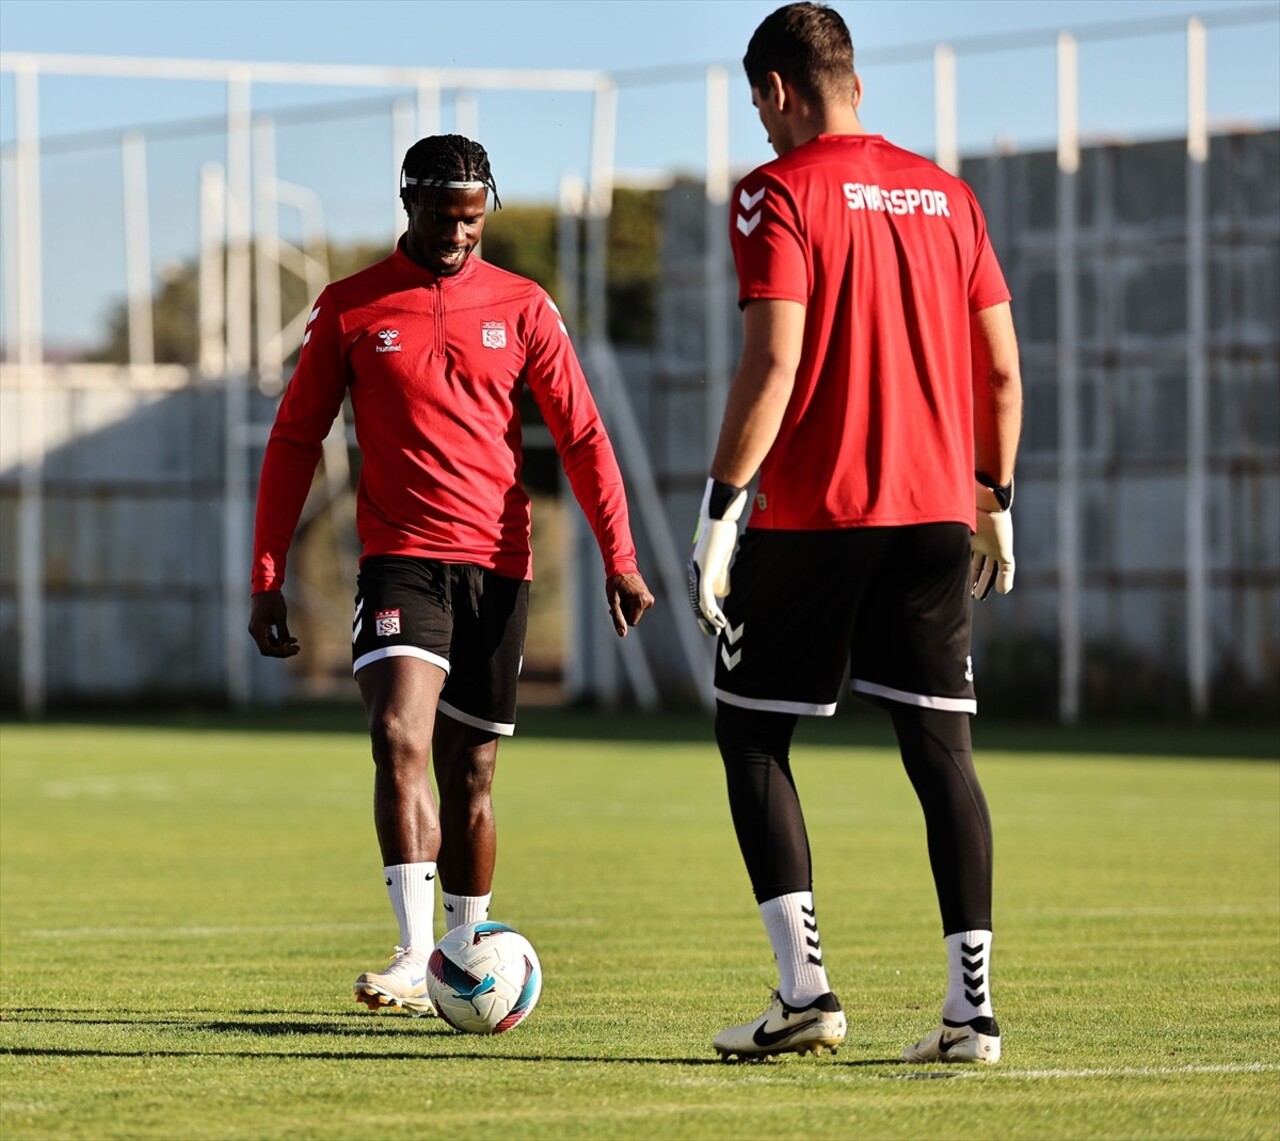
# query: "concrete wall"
[1132,291]
[132,487]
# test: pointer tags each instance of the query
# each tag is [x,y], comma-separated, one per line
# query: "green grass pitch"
[184,905]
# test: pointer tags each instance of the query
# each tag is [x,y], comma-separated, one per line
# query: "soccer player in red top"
[879,373]
[434,347]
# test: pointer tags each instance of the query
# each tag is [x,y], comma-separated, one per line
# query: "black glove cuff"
[1003,494]
[722,494]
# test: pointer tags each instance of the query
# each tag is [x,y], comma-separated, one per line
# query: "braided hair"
[444,162]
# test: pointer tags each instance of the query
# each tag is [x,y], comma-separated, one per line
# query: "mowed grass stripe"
[184,909]
[1119,914]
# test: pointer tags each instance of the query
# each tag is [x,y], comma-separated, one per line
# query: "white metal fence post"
[944,109]
[30,338]
[717,252]
[604,125]
[137,244]
[1198,648]
[403,125]
[266,256]
[212,272]
[1069,562]
[236,554]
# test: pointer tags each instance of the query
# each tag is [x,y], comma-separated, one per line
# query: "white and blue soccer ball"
[484,978]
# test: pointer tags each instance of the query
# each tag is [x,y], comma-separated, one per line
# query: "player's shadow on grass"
[380,1056]
[430,1033]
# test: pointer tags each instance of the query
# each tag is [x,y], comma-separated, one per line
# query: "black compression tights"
[938,758]
[762,799]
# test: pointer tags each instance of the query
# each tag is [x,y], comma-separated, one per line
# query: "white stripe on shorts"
[802,708]
[502,728]
[946,704]
[398,652]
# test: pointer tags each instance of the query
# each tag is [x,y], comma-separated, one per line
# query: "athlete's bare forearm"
[773,337]
[997,393]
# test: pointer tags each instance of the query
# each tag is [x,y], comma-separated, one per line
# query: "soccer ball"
[484,978]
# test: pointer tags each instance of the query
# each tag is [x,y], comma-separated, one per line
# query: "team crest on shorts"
[493,334]
[386,623]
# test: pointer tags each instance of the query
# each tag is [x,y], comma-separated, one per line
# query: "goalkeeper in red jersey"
[434,347]
[879,376]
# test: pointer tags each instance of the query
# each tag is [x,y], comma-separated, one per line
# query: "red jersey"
[889,255]
[435,367]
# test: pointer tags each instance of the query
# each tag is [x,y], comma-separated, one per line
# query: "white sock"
[460,910]
[968,976]
[793,934]
[412,891]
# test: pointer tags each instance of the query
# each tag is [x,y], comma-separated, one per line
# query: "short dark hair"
[434,162]
[808,45]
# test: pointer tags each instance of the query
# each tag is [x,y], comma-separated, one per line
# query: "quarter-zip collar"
[417,275]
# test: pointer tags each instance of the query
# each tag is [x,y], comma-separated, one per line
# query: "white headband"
[446,184]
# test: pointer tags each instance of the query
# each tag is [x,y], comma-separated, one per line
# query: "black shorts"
[465,619]
[892,603]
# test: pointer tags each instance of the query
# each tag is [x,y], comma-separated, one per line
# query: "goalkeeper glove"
[992,563]
[713,544]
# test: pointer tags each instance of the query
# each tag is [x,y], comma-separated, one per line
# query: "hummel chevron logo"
[731,635]
[816,944]
[307,335]
[559,319]
[730,660]
[975,999]
[972,980]
[965,949]
[971,964]
[748,222]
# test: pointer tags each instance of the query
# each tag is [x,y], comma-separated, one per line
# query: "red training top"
[889,254]
[435,367]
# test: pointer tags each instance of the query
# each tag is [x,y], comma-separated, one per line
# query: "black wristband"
[1003,494]
[722,494]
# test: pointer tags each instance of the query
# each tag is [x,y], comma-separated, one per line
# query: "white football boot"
[784,1029]
[977,1040]
[403,985]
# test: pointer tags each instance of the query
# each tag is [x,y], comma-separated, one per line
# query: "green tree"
[635,247]
[175,307]
[523,239]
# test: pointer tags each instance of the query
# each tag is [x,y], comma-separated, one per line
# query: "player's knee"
[397,740]
[465,775]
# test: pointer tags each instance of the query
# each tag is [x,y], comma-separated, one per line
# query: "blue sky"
[1130,88]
